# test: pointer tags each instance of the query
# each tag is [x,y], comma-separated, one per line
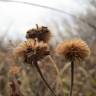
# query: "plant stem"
[72,77]
[55,65]
[40,73]
[57,70]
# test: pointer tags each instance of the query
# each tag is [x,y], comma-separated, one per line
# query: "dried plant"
[73,50]
[41,33]
[33,51]
[14,83]
[31,84]
[15,88]
[14,70]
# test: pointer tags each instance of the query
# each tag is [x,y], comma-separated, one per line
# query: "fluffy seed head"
[41,33]
[32,49]
[73,50]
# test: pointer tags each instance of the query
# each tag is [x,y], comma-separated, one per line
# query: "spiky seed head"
[73,50]
[32,49]
[41,33]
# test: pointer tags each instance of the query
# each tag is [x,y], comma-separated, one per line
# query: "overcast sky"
[17,18]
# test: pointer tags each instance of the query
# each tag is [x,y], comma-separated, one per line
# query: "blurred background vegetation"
[66,19]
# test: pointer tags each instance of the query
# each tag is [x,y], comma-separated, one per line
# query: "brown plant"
[73,50]
[14,70]
[31,49]
[15,88]
[41,33]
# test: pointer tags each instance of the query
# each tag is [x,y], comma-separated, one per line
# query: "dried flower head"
[75,49]
[32,49]
[14,70]
[41,33]
[15,89]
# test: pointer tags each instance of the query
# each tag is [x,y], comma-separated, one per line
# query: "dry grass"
[32,85]
[29,82]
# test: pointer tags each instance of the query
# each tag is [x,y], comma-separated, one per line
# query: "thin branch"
[72,78]
[40,73]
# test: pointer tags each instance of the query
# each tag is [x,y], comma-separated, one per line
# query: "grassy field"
[29,83]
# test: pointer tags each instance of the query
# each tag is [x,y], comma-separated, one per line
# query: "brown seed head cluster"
[32,50]
[73,50]
[41,33]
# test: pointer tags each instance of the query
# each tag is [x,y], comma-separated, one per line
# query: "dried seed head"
[14,70]
[75,49]
[41,33]
[15,89]
[32,49]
